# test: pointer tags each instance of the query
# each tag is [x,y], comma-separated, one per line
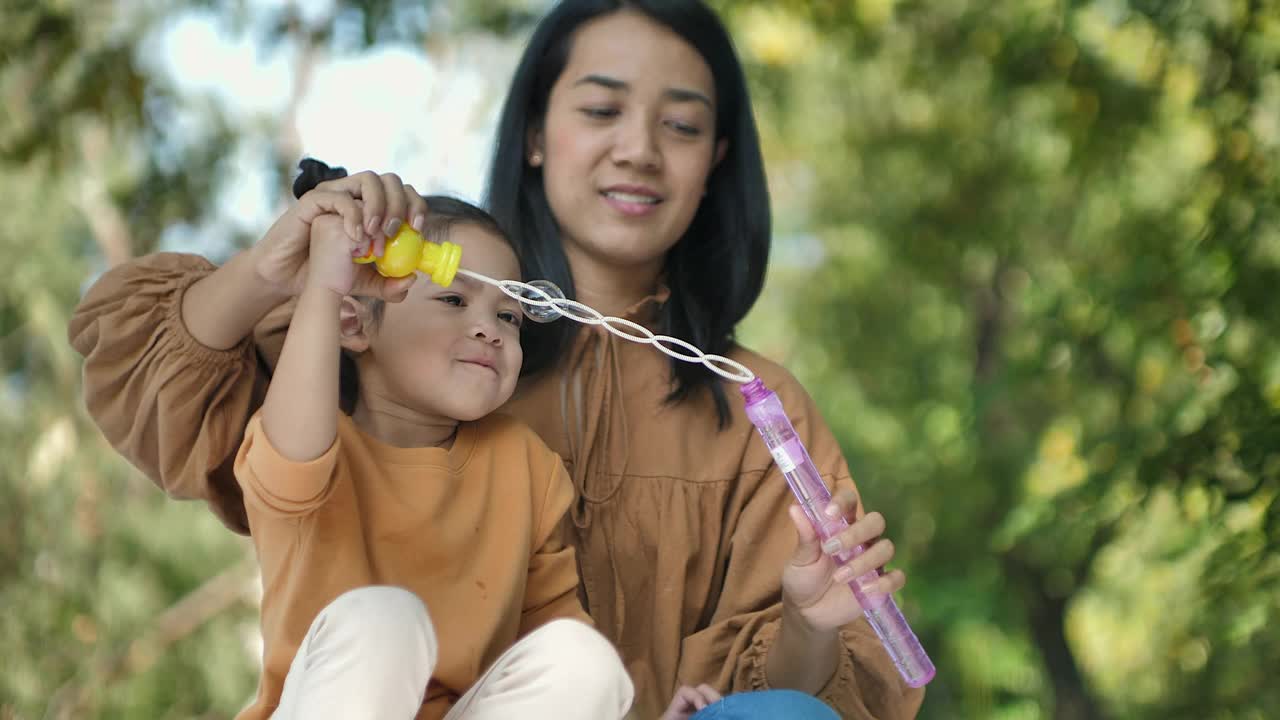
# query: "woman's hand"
[371,208]
[814,588]
[688,701]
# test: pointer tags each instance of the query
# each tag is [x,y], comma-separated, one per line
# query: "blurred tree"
[1032,276]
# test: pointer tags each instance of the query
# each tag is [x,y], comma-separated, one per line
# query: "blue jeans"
[767,705]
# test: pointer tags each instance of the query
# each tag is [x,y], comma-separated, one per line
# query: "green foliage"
[1032,284]
[1026,261]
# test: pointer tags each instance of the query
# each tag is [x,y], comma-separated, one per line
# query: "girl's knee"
[580,651]
[381,617]
[587,644]
[379,606]
[580,666]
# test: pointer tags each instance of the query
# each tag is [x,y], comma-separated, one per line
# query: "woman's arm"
[173,407]
[221,309]
[754,641]
[172,384]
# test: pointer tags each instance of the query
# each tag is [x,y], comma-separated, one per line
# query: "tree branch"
[184,617]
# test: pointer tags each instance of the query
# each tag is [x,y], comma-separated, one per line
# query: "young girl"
[410,546]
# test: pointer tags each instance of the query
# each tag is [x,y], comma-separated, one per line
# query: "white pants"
[370,653]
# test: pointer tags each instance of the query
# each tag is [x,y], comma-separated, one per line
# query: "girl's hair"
[716,270]
[443,214]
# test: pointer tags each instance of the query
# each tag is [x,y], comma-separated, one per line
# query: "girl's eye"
[455,300]
[510,317]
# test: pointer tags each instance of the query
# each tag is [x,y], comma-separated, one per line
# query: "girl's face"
[627,142]
[452,351]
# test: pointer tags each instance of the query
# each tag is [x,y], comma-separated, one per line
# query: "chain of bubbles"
[533,296]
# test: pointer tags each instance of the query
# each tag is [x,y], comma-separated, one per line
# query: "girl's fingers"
[319,202]
[709,694]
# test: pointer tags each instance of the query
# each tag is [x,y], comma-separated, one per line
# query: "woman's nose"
[635,145]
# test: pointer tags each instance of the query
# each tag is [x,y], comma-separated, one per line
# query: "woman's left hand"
[814,587]
[689,700]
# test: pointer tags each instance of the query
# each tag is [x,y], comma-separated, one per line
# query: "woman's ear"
[533,147]
[354,324]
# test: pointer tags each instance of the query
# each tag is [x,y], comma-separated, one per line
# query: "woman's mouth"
[631,202]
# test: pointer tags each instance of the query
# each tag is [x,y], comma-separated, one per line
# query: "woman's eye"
[511,317]
[599,113]
[451,300]
[684,128]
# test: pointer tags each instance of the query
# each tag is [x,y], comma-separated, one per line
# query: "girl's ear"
[354,324]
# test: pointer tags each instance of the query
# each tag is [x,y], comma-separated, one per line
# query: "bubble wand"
[542,301]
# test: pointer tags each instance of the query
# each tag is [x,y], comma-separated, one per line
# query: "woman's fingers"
[870,527]
[366,186]
[891,582]
[844,503]
[808,549]
[393,190]
[387,201]
[876,556]
[416,209]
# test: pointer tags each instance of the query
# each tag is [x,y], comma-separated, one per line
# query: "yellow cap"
[440,262]
[408,251]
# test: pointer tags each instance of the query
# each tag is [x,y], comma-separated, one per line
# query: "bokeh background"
[1027,258]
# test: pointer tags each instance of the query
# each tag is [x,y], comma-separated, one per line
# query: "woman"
[628,171]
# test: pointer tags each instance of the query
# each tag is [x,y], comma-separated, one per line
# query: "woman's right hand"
[371,206]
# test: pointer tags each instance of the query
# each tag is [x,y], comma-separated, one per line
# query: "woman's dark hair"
[716,270]
[443,214]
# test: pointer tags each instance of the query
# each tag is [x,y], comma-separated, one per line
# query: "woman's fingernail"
[419,221]
[832,546]
[371,225]
[832,511]
[842,574]
[393,224]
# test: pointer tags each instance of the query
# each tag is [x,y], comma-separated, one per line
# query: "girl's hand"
[815,588]
[329,265]
[688,701]
[371,208]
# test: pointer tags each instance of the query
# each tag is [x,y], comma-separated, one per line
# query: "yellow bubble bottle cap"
[408,251]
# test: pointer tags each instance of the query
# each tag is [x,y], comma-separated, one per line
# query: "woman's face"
[628,142]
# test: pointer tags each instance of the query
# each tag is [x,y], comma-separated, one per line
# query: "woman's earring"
[535,159]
